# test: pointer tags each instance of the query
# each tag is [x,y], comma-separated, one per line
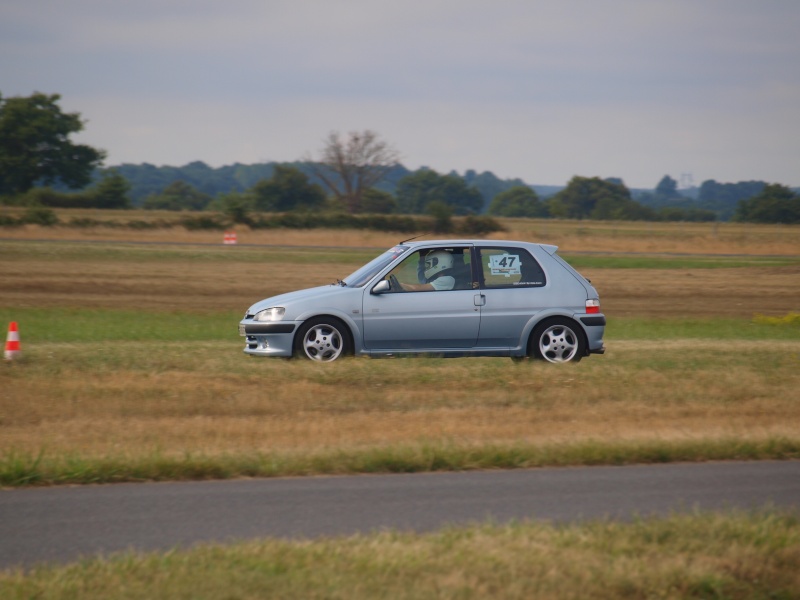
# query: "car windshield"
[373,267]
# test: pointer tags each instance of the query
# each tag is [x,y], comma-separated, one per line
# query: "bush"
[214,222]
[676,213]
[84,222]
[40,215]
[472,225]
[391,223]
[338,220]
[9,221]
[140,225]
[51,198]
[293,220]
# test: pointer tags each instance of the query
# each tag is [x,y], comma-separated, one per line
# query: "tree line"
[355,173]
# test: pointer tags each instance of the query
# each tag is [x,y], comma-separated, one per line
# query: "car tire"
[558,340]
[323,339]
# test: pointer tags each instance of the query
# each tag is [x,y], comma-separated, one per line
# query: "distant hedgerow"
[9,221]
[206,221]
[472,225]
[40,215]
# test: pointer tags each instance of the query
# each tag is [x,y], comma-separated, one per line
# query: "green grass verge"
[646,261]
[22,470]
[145,252]
[74,325]
[668,328]
[732,555]
[156,252]
[78,325]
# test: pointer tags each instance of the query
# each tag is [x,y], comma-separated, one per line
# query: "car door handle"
[480,300]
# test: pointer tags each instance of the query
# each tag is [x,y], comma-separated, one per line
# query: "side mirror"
[382,287]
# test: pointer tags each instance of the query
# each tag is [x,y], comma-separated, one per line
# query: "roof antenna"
[416,236]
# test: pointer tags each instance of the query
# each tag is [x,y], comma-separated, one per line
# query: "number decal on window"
[504,264]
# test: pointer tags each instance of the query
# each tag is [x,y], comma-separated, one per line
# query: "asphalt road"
[63,523]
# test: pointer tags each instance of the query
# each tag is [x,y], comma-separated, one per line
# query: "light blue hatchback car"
[442,297]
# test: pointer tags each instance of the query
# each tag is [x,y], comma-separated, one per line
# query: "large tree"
[288,189]
[417,191]
[111,191]
[667,187]
[595,198]
[775,204]
[178,195]
[724,198]
[519,201]
[349,166]
[35,146]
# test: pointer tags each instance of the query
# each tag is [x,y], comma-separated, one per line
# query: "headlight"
[270,314]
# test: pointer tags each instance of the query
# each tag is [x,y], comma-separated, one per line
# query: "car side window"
[510,267]
[406,271]
[435,269]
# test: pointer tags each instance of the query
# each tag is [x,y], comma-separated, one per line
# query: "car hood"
[293,298]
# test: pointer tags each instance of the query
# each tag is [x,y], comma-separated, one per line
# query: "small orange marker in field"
[12,342]
[230,237]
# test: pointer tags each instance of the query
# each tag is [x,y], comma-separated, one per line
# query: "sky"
[540,90]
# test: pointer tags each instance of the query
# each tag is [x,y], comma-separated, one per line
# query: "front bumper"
[268,339]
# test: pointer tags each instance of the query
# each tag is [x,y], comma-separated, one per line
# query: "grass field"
[132,370]
[132,367]
[733,556]
[570,236]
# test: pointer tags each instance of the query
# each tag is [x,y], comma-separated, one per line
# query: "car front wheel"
[322,340]
[558,341]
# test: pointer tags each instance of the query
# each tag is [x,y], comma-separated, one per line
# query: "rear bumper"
[594,326]
[594,321]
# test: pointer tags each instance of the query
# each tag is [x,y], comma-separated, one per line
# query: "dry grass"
[733,555]
[214,402]
[155,277]
[570,236]
[690,238]
[100,398]
[740,292]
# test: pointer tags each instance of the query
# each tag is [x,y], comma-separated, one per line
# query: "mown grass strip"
[646,261]
[123,251]
[20,469]
[76,325]
[674,328]
[71,251]
[735,555]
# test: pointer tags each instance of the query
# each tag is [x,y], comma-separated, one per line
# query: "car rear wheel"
[322,340]
[558,341]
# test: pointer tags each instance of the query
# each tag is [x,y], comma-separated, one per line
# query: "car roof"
[549,248]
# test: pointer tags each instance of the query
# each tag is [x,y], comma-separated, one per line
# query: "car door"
[424,320]
[513,289]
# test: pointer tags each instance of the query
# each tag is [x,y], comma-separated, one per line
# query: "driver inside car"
[436,271]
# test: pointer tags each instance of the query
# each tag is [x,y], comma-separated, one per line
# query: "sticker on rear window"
[504,264]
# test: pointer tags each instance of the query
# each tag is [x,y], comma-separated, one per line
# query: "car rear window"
[510,267]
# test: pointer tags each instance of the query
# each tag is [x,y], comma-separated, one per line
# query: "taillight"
[593,306]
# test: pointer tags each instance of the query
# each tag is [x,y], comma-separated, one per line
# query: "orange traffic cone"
[12,342]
